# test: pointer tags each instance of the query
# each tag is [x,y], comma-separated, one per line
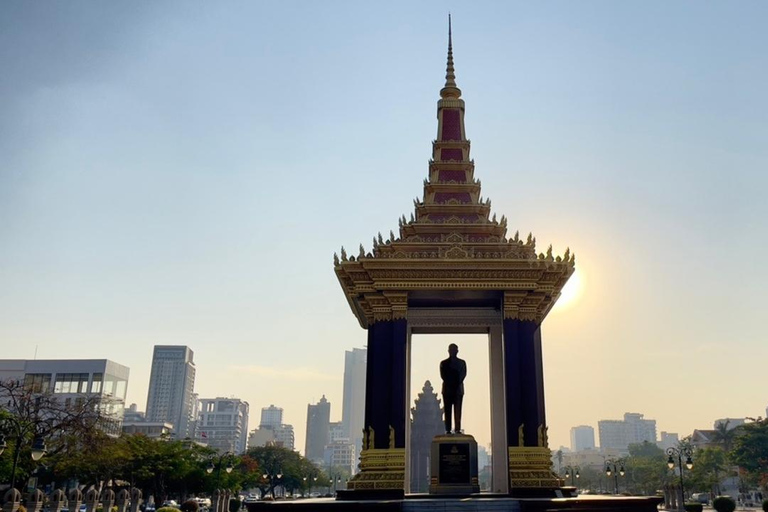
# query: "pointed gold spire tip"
[450,90]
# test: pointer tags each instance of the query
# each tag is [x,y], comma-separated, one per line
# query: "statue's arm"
[442,370]
[463,369]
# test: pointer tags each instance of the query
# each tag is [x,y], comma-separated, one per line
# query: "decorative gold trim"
[380,469]
[531,466]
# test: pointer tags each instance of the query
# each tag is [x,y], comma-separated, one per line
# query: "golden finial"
[336,259]
[362,252]
[391,437]
[521,435]
[450,90]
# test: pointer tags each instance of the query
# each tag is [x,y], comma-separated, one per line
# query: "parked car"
[700,497]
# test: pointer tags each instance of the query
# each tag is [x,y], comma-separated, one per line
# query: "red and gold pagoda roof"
[451,242]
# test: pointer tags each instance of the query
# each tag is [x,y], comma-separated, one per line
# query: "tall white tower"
[171,388]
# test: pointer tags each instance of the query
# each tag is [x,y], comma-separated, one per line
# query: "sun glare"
[571,292]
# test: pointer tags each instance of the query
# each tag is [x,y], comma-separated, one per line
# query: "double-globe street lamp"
[38,451]
[572,472]
[615,467]
[673,452]
[217,466]
[309,479]
[335,481]
[273,480]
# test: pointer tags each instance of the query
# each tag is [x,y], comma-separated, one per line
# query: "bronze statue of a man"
[453,371]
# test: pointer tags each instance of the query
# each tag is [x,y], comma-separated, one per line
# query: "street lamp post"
[217,466]
[38,449]
[615,467]
[273,480]
[572,472]
[309,479]
[673,452]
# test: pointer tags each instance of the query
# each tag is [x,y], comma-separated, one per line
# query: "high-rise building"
[668,440]
[223,424]
[619,434]
[582,438]
[171,389]
[71,379]
[284,436]
[353,406]
[426,423]
[318,425]
[336,432]
[613,434]
[730,423]
[340,455]
[271,416]
[640,429]
[132,414]
[261,437]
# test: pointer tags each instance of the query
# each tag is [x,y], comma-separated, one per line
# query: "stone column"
[530,466]
[525,382]
[107,499]
[58,500]
[382,464]
[35,501]
[91,500]
[75,500]
[11,500]
[136,499]
[123,500]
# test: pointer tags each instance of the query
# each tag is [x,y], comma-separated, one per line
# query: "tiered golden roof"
[451,241]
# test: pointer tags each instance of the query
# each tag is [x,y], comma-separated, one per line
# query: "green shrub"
[765,505]
[189,506]
[694,507]
[724,504]
[167,509]
[234,505]
[22,508]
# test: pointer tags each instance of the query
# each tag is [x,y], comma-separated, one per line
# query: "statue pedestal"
[453,465]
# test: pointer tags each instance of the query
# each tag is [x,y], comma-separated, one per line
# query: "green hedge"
[724,504]
[189,506]
[167,509]
[694,507]
[765,505]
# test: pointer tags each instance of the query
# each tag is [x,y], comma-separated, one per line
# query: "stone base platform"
[475,502]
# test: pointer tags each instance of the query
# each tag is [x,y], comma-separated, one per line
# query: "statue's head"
[453,349]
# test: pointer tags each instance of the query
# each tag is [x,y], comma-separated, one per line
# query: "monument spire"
[450,90]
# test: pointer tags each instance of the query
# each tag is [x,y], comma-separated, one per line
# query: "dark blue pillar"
[385,381]
[524,380]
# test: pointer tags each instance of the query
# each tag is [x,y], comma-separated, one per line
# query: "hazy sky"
[182,172]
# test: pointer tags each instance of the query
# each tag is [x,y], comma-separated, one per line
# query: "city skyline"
[159,187]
